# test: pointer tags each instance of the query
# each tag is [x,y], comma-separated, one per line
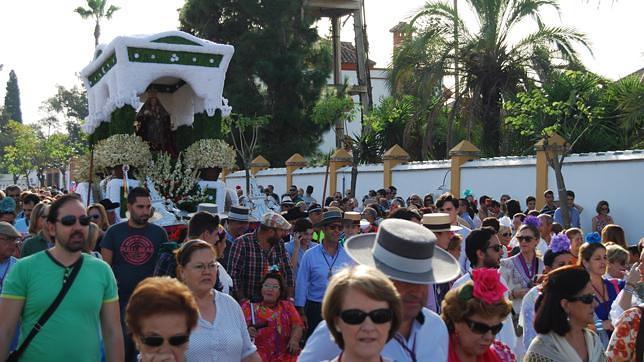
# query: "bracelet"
[628,289]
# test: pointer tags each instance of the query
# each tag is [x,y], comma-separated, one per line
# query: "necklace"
[337,252]
[601,296]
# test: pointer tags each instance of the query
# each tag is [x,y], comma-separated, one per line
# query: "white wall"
[616,177]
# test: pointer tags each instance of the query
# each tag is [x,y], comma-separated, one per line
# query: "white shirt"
[462,260]
[226,339]
[506,335]
[428,339]
[225,279]
[542,247]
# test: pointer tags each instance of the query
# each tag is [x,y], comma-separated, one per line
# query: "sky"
[46,43]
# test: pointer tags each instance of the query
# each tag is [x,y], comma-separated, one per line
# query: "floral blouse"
[622,343]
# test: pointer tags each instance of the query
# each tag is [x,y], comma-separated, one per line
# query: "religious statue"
[154,126]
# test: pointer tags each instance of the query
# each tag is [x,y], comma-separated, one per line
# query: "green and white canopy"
[187,73]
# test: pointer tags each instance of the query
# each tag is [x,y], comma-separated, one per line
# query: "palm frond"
[110,11]
[84,13]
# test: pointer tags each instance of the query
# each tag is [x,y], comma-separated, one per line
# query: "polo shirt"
[428,340]
[72,332]
[34,244]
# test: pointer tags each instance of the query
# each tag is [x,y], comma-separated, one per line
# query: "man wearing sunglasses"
[484,250]
[317,266]
[408,254]
[132,249]
[90,304]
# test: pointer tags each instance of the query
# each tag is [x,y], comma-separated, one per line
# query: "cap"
[7,206]
[274,220]
[8,230]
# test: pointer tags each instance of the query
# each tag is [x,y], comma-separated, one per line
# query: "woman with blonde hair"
[38,216]
[474,315]
[99,216]
[363,311]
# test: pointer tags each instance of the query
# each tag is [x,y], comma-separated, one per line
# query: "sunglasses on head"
[527,239]
[70,220]
[586,298]
[156,341]
[357,316]
[482,328]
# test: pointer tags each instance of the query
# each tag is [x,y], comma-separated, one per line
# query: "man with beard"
[484,250]
[90,304]
[406,252]
[317,266]
[132,249]
[253,254]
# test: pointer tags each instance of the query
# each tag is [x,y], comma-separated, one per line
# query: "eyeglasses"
[356,316]
[270,286]
[505,235]
[497,247]
[95,216]
[586,298]
[482,328]
[334,227]
[202,267]
[70,220]
[604,209]
[527,239]
[156,341]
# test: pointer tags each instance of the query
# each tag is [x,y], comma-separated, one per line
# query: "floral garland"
[122,149]
[210,153]
[80,169]
[176,181]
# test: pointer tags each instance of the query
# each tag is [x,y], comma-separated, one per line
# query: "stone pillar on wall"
[339,159]
[460,154]
[293,163]
[393,157]
[258,164]
[552,146]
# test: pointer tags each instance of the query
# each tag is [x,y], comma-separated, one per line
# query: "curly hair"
[455,310]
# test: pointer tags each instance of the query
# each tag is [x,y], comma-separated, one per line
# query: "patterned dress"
[272,340]
[622,343]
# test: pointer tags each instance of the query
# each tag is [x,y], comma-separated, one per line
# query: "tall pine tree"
[278,69]
[11,101]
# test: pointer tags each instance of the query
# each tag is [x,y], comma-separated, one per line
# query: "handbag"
[67,284]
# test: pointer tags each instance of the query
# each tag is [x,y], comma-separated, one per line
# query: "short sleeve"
[108,239]
[110,294]
[622,342]
[15,286]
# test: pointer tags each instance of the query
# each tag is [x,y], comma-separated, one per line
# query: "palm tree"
[492,65]
[96,10]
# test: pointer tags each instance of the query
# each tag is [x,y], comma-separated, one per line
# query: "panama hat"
[329,217]
[404,251]
[438,222]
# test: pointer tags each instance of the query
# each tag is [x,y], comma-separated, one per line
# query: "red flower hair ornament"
[486,286]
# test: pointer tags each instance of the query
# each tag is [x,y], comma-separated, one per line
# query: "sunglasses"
[70,220]
[586,298]
[156,341]
[497,247]
[356,316]
[527,239]
[482,328]
[95,216]
[505,235]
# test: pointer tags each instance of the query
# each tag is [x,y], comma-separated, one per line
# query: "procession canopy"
[171,75]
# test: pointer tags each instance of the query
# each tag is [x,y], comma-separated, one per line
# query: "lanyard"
[335,258]
[410,351]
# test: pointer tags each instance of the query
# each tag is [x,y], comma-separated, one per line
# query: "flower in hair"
[593,238]
[533,221]
[560,243]
[274,269]
[487,285]
[467,193]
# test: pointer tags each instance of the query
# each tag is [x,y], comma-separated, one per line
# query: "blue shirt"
[21,226]
[290,246]
[574,217]
[313,274]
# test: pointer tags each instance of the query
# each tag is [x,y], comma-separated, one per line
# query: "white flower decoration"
[210,153]
[174,58]
[122,149]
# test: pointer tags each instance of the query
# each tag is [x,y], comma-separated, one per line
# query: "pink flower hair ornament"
[486,286]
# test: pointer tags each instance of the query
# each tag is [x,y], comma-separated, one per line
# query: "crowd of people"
[385,279]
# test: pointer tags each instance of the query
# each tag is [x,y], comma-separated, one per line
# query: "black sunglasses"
[482,328]
[525,238]
[586,298]
[356,316]
[497,247]
[70,220]
[505,235]
[95,216]
[156,341]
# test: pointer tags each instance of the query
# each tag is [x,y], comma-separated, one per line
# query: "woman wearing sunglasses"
[274,322]
[564,311]
[161,314]
[521,271]
[99,216]
[363,311]
[221,333]
[474,315]
[592,256]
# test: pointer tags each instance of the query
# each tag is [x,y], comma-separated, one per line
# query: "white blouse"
[226,339]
